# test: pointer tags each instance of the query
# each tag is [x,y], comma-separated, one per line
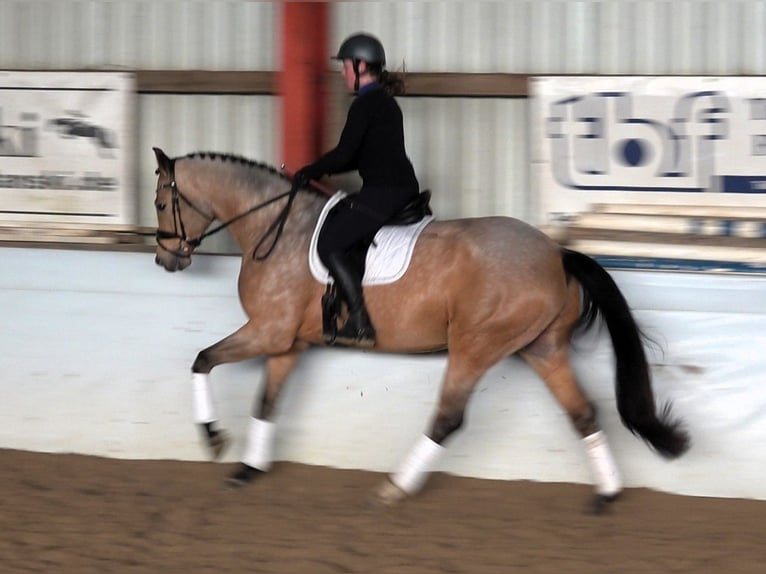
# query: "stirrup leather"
[330,314]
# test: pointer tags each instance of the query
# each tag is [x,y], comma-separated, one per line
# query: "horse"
[481,289]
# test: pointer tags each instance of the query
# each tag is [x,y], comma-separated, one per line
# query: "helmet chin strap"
[356,75]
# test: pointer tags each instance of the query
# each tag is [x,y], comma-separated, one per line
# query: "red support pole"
[304,62]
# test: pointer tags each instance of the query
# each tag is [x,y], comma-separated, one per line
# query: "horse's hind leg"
[462,374]
[555,370]
[548,355]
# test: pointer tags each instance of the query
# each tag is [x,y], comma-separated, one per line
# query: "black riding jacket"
[372,142]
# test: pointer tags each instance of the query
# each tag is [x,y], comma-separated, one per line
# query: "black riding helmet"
[361,47]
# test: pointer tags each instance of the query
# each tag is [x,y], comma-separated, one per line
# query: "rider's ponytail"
[392,82]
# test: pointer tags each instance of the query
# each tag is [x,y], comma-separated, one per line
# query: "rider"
[372,141]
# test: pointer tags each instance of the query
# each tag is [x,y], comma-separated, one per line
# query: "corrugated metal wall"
[138,34]
[566,36]
[159,34]
[471,153]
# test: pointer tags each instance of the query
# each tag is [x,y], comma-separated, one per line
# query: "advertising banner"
[66,147]
[648,140]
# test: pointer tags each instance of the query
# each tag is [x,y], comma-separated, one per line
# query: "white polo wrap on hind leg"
[413,472]
[608,482]
[204,411]
[259,451]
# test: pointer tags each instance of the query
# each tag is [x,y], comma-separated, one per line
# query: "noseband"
[187,244]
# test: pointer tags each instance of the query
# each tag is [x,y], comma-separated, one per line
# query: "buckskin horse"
[480,288]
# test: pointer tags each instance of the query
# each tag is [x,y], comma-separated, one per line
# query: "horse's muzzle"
[171,262]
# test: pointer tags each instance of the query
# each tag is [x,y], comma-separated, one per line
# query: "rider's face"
[347,71]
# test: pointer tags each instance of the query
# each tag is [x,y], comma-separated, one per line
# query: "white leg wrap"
[259,451]
[608,482]
[413,472]
[203,399]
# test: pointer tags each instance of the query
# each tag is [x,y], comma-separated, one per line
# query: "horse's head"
[180,224]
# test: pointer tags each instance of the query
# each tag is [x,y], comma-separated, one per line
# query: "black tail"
[635,400]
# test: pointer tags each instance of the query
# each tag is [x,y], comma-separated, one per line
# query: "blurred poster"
[66,144]
[646,140]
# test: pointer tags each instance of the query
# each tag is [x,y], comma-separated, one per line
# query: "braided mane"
[224,157]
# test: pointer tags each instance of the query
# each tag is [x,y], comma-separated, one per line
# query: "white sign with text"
[66,146]
[644,140]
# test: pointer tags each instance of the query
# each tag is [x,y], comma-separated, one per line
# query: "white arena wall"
[97,349]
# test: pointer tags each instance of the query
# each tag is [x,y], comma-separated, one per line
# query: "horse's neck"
[232,196]
[305,212]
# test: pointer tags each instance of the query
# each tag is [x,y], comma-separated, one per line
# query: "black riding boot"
[358,329]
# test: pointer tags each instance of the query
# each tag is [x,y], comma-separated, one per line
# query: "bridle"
[188,244]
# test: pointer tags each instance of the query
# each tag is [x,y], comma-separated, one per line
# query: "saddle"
[414,211]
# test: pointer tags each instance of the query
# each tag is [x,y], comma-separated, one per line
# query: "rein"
[276,227]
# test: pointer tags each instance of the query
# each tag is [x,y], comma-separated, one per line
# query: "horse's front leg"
[241,345]
[258,453]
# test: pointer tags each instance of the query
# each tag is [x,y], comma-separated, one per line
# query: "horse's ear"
[163,161]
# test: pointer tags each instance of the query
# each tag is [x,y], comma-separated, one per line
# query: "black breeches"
[358,218]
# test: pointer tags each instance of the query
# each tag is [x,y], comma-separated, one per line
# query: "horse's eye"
[157,171]
[160,206]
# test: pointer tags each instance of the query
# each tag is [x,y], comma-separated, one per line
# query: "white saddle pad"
[387,258]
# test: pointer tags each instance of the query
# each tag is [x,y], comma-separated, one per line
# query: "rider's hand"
[303,176]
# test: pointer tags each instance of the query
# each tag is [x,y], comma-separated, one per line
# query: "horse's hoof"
[243,476]
[217,443]
[387,495]
[601,502]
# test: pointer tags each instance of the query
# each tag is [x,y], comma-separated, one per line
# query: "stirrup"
[359,339]
[358,331]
